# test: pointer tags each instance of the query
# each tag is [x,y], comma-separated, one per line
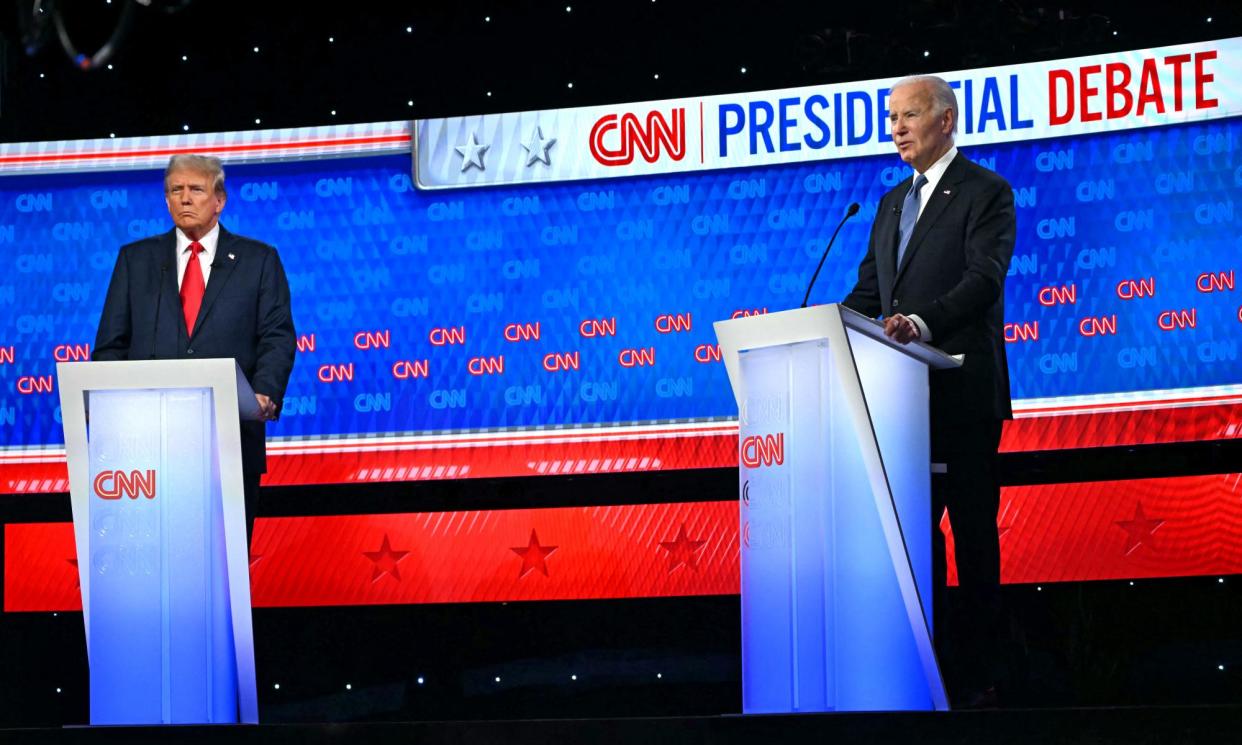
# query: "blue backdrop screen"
[591,302]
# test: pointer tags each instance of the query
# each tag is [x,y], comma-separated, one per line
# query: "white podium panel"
[155,480]
[835,516]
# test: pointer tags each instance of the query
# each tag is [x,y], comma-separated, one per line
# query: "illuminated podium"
[835,478]
[159,521]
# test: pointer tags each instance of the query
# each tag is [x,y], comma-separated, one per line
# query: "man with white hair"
[935,271]
[199,291]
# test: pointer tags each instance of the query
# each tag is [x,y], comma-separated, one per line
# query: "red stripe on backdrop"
[567,553]
[1109,429]
[1144,528]
[1062,532]
[655,453]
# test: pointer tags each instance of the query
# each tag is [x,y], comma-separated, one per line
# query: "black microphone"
[159,300]
[853,210]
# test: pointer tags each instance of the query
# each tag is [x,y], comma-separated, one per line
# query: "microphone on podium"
[853,210]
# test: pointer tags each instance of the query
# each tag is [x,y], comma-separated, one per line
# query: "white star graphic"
[471,153]
[537,149]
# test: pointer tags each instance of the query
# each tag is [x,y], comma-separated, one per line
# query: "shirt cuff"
[924,332]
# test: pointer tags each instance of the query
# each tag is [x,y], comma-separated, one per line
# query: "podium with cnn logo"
[155,478]
[835,480]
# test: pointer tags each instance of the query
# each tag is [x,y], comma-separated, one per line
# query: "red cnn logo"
[763,450]
[618,150]
[115,484]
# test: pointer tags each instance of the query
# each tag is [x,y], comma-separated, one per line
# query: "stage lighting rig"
[39,17]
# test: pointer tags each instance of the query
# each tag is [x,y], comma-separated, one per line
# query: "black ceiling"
[445,58]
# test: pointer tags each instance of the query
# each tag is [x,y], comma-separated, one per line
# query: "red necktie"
[192,287]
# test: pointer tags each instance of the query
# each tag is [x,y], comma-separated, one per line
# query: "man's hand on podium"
[900,329]
[267,407]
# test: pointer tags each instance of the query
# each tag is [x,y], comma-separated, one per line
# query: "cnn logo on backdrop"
[616,138]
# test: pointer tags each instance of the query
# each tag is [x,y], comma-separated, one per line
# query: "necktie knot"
[919,182]
[196,248]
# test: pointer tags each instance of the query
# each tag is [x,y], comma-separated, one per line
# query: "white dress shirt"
[933,174]
[205,257]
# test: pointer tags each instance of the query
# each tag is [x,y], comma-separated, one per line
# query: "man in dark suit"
[199,291]
[935,270]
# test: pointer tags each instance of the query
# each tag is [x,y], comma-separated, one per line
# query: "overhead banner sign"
[1101,93]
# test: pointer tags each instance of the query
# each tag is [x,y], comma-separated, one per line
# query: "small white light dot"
[185,58]
[256,50]
[258,121]
[409,29]
[659,675]
[487,19]
[420,680]
[489,94]
[573,677]
[112,135]
[568,8]
[109,67]
[1132,584]
[926,53]
[41,75]
[185,128]
[409,103]
[277,686]
[1218,667]
[1209,19]
[58,690]
[1220,580]
[497,678]
[657,76]
[334,112]
[331,39]
[1039,589]
[1114,33]
[349,687]
[57,614]
[743,70]
[571,85]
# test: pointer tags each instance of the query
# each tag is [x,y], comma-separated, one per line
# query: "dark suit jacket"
[245,315]
[953,278]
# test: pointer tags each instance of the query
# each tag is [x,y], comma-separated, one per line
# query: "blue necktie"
[909,216]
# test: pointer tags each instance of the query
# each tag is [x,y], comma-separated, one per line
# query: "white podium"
[835,479]
[155,480]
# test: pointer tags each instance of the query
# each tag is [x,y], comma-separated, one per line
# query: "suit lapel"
[170,293]
[221,269]
[945,191]
[886,259]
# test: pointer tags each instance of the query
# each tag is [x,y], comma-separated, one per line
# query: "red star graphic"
[533,555]
[77,580]
[682,550]
[1140,530]
[386,561]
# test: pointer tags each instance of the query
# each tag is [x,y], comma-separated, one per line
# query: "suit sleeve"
[276,343]
[989,239]
[865,297]
[116,321]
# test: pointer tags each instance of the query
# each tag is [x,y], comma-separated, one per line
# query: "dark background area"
[1102,643]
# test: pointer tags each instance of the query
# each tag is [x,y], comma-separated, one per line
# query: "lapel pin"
[946,193]
[233,257]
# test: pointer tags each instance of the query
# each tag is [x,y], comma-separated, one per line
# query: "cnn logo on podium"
[132,484]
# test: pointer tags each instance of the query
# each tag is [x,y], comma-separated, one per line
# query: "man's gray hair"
[942,94]
[205,164]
